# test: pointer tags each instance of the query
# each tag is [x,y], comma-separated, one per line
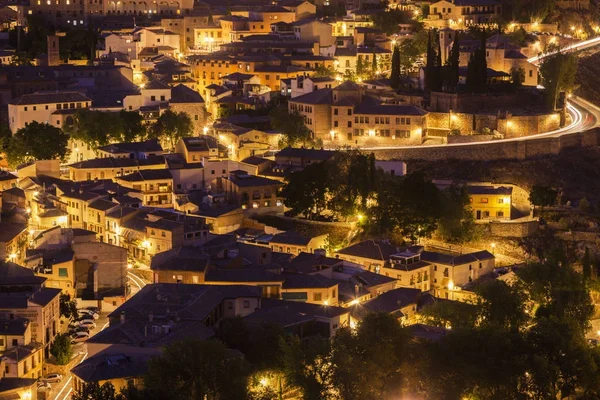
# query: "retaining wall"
[519,150]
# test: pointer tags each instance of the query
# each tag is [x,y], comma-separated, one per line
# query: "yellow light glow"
[264,381]
[12,256]
[360,217]
[354,302]
[451,285]
[28,210]
[205,130]
[145,244]
[371,132]
[453,117]
[36,193]
[142,85]
[509,123]
[31,232]
[326,302]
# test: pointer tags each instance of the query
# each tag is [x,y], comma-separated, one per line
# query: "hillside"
[576,171]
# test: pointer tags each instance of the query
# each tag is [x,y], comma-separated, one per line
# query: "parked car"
[86,317]
[79,337]
[43,386]
[84,311]
[86,323]
[94,309]
[74,329]
[52,378]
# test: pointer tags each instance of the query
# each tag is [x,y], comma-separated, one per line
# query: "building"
[410,271]
[120,370]
[450,272]
[464,13]
[402,303]
[41,307]
[156,186]
[490,203]
[301,319]
[194,149]
[372,255]
[345,115]
[253,193]
[54,108]
[21,388]
[295,243]
[135,150]
[183,264]
[162,313]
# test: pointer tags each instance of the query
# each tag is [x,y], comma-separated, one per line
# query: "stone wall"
[476,102]
[197,114]
[520,150]
[469,138]
[514,229]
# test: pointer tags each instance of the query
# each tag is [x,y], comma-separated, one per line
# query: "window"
[500,214]
[246,303]
[349,111]
[349,124]
[15,342]
[335,111]
[152,98]
[63,272]
[317,297]
[335,124]
[483,200]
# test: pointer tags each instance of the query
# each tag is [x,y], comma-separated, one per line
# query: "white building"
[54,108]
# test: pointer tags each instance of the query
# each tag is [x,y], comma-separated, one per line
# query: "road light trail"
[575,46]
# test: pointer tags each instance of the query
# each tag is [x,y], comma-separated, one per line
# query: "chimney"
[122,317]
[151,316]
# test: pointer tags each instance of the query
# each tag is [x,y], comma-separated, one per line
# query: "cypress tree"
[453,65]
[482,65]
[429,67]
[374,63]
[359,65]
[471,73]
[439,72]
[395,74]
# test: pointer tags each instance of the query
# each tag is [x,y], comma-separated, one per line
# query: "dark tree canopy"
[37,142]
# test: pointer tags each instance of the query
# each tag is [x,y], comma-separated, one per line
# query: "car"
[593,342]
[53,378]
[94,309]
[42,386]
[85,312]
[85,317]
[86,323]
[79,337]
[76,329]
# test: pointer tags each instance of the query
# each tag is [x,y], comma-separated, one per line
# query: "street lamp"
[494,248]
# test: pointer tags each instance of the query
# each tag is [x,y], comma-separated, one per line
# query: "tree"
[410,206]
[305,190]
[517,76]
[452,66]
[457,224]
[307,365]
[412,49]
[395,73]
[374,63]
[369,363]
[360,68]
[61,349]
[171,126]
[96,128]
[93,391]
[439,72]
[292,127]
[37,142]
[477,67]
[558,75]
[542,196]
[586,264]
[323,71]
[132,126]
[194,369]
[68,307]
[430,65]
